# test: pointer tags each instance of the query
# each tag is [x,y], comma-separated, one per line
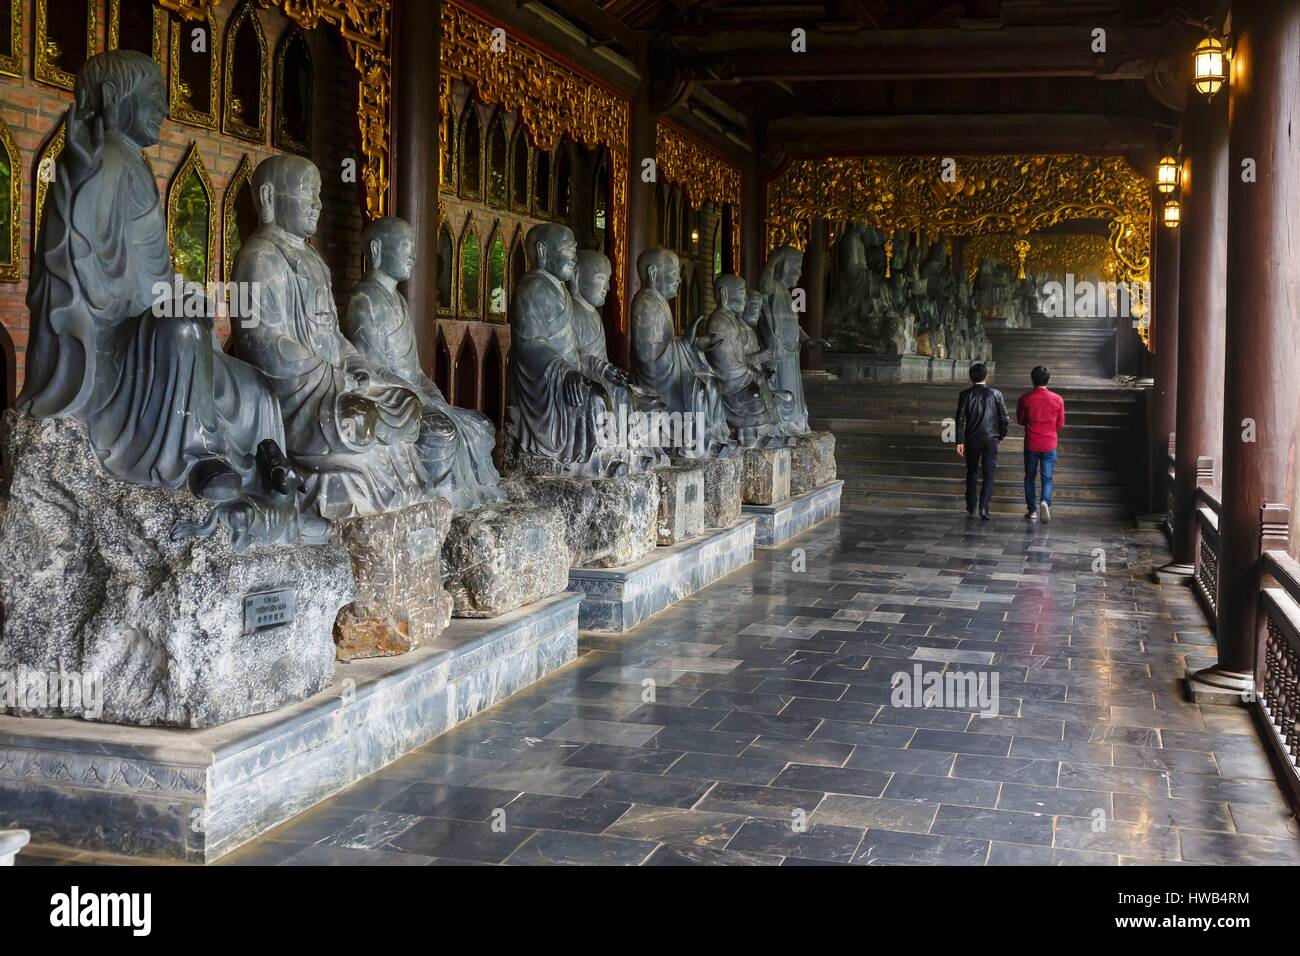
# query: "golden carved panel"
[158,34]
[706,176]
[46,54]
[245,120]
[11,264]
[550,99]
[1085,255]
[11,50]
[989,194]
[43,175]
[180,95]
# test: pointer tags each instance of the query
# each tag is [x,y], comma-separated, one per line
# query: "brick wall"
[33,110]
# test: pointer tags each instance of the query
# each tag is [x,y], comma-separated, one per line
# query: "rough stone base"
[681,503]
[502,557]
[397,562]
[868,367]
[778,523]
[722,491]
[608,521]
[618,599]
[141,791]
[138,628]
[812,462]
[766,477]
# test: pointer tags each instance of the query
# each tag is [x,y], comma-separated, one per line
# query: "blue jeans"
[1034,460]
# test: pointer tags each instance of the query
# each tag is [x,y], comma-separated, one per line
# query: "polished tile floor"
[755,724]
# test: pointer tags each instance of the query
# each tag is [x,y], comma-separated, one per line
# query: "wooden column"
[640,200]
[1164,342]
[1202,311]
[1261,402]
[814,282]
[415,158]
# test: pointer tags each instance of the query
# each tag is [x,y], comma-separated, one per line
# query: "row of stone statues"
[902,298]
[734,375]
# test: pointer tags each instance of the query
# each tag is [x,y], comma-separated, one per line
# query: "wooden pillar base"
[1214,685]
[1174,573]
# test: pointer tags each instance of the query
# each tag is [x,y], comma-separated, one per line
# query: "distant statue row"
[363,429]
[914,303]
[734,376]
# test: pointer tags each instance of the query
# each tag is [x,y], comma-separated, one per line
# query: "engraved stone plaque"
[264,610]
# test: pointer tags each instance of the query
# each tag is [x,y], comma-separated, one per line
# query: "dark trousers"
[981,460]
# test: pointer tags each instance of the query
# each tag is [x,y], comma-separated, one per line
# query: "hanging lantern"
[1209,66]
[1167,174]
[1171,213]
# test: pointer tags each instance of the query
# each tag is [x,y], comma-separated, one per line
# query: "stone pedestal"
[132,627]
[788,519]
[723,480]
[502,557]
[681,503]
[397,562]
[812,462]
[615,600]
[196,795]
[608,521]
[766,478]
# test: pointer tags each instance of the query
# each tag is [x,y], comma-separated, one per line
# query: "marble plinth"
[196,795]
[618,599]
[397,562]
[788,519]
[681,503]
[766,477]
[608,522]
[812,462]
[132,626]
[504,556]
[723,485]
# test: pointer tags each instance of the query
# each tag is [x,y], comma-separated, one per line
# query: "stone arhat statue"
[779,330]
[358,436]
[560,404]
[588,288]
[455,443]
[733,350]
[668,365]
[160,401]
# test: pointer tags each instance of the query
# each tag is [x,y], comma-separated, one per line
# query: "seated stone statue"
[456,443]
[588,289]
[779,331]
[358,437]
[161,402]
[733,351]
[562,406]
[671,366]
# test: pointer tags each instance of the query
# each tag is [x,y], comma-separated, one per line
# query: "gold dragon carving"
[365,26]
[705,175]
[550,99]
[1019,195]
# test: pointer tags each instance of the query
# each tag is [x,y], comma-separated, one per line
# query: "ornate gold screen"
[549,98]
[705,175]
[988,195]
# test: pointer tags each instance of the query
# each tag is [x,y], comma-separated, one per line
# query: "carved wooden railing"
[1206,578]
[1277,660]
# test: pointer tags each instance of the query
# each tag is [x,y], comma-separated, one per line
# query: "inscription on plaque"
[692,493]
[534,540]
[264,610]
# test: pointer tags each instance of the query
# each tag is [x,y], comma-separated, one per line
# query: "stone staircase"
[891,454]
[1076,350]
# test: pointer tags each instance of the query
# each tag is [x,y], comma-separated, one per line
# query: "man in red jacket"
[1043,415]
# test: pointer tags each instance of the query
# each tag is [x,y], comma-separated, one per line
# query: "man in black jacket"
[982,422]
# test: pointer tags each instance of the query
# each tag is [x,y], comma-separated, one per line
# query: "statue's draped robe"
[750,404]
[543,351]
[456,443]
[670,366]
[296,343]
[155,392]
[778,330]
